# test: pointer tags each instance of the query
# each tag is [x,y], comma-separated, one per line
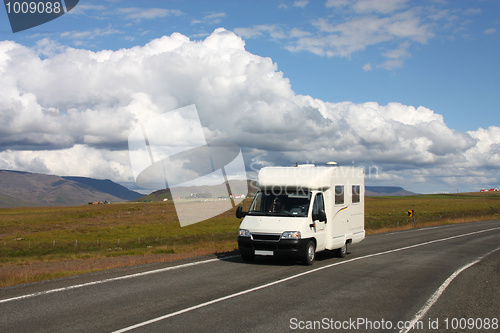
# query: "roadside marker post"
[411,213]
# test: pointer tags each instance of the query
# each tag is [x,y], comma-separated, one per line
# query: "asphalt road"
[430,278]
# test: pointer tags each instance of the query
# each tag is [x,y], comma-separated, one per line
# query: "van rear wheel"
[310,253]
[342,252]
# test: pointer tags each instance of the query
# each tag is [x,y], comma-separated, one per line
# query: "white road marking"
[109,280]
[154,320]
[430,302]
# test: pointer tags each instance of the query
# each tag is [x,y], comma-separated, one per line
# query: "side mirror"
[240,213]
[321,216]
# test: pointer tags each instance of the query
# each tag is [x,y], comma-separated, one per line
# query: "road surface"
[429,279]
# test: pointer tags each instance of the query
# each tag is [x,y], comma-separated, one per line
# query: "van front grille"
[266,237]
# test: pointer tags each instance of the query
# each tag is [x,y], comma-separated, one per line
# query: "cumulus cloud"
[70,113]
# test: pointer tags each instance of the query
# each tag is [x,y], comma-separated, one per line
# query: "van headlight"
[244,233]
[290,235]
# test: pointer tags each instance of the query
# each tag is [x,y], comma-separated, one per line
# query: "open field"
[49,242]
[385,212]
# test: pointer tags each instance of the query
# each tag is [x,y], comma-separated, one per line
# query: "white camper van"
[303,210]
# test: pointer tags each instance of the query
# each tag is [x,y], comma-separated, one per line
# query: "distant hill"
[25,189]
[374,191]
[221,191]
[205,191]
[106,186]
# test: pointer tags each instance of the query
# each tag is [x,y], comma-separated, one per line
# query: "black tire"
[247,256]
[342,252]
[310,253]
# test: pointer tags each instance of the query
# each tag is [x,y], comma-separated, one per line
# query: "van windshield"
[281,204]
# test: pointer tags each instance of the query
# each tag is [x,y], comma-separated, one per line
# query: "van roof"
[308,177]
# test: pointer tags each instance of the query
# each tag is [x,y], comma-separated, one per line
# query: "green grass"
[102,230]
[386,212]
[47,242]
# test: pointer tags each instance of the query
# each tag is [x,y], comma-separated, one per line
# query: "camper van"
[302,210]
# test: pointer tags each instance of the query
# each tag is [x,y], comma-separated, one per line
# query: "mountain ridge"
[376,191]
[26,189]
[221,190]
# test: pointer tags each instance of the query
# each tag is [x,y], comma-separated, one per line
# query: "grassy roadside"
[392,212]
[48,242]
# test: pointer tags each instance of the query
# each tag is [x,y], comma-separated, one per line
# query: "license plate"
[264,253]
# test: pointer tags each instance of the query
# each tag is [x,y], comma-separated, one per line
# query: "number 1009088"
[33,7]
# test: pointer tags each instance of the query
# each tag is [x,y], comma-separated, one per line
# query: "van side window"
[318,204]
[339,194]
[356,193]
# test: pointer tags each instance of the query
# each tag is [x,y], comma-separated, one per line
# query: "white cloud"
[382,6]
[213,18]
[79,160]
[139,14]
[368,6]
[335,39]
[82,37]
[273,30]
[71,114]
[248,33]
[395,57]
[83,8]
[301,3]
[486,153]
[400,52]
[349,27]
[298,33]
[472,11]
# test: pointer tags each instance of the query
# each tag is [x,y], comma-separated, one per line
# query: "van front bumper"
[282,247]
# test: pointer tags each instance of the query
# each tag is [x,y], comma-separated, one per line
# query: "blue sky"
[335,56]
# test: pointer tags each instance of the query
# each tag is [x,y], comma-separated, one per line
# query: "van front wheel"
[310,253]
[248,256]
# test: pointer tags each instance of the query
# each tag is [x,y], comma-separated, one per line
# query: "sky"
[407,90]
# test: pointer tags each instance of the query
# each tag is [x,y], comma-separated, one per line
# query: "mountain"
[221,191]
[377,191]
[106,186]
[204,191]
[25,189]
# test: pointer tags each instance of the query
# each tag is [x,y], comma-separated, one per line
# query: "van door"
[318,223]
